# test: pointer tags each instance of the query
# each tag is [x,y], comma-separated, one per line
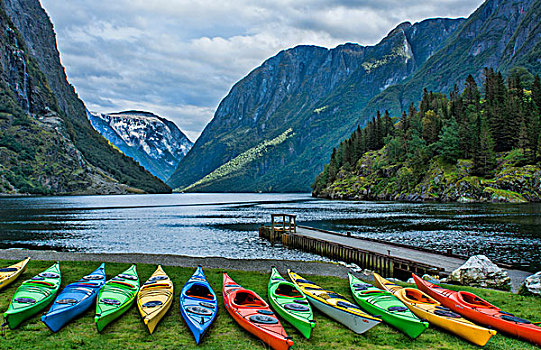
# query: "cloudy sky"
[179,58]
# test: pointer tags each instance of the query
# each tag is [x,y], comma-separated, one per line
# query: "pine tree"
[536,92]
[448,144]
[431,126]
[471,93]
[483,156]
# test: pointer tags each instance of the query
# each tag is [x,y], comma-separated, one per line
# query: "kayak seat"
[199,291]
[247,299]
[287,290]
[419,297]
[445,313]
[473,299]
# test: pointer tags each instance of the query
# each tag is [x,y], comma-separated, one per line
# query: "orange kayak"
[481,311]
[253,314]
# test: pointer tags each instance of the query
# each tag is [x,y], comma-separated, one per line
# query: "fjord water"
[226,225]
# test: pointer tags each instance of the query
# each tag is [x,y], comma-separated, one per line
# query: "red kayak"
[481,311]
[253,314]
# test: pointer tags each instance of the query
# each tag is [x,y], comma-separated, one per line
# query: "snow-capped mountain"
[155,142]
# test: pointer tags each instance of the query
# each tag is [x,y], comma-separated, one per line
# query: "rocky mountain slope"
[316,92]
[37,155]
[35,83]
[500,34]
[155,142]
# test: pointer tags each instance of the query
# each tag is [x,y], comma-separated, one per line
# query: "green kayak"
[116,297]
[388,307]
[33,296]
[290,303]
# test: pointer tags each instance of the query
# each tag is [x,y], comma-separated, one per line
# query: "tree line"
[461,125]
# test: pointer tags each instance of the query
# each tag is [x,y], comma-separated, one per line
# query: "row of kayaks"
[407,309]
[198,302]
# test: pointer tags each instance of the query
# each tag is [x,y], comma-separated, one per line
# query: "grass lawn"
[129,332]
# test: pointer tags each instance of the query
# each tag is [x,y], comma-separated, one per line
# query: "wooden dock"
[387,258]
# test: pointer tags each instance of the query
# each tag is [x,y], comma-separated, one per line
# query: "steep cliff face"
[155,142]
[500,34]
[37,155]
[36,32]
[314,91]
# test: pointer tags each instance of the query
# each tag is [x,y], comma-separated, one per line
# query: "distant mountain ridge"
[313,90]
[153,141]
[83,162]
[500,34]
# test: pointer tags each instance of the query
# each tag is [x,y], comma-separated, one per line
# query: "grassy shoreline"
[128,332]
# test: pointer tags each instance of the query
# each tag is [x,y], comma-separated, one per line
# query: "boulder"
[479,271]
[531,285]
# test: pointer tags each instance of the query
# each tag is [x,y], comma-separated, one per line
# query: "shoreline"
[319,268]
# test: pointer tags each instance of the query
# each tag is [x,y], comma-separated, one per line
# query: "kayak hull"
[198,304]
[285,298]
[253,314]
[427,308]
[33,296]
[74,300]
[384,304]
[335,306]
[116,297]
[155,298]
[481,312]
[9,274]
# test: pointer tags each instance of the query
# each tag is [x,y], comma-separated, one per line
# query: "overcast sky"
[179,58]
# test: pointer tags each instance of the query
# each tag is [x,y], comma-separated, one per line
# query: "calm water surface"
[226,225]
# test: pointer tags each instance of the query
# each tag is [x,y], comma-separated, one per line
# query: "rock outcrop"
[479,271]
[531,285]
[376,178]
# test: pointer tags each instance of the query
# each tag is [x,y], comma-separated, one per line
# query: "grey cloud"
[179,58]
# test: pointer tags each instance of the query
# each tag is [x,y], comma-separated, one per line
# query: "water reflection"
[226,224]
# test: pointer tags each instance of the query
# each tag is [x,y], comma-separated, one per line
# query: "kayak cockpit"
[474,300]
[418,297]
[287,290]
[199,291]
[246,298]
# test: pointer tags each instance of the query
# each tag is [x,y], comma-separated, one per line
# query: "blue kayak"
[198,304]
[75,299]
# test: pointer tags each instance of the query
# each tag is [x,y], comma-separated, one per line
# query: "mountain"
[500,34]
[35,84]
[155,142]
[317,93]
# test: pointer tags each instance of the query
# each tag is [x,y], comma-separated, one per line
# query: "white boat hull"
[356,323]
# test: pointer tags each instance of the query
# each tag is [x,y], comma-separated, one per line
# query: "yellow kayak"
[431,310]
[335,305]
[155,298]
[10,273]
